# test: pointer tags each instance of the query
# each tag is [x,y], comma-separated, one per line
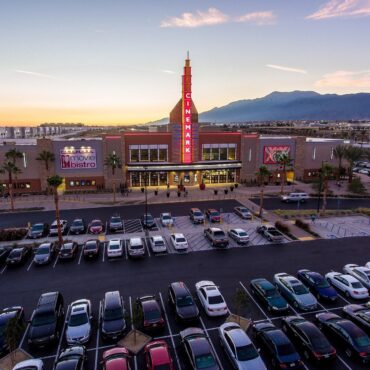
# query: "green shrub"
[284,228]
[356,186]
[12,234]
[303,225]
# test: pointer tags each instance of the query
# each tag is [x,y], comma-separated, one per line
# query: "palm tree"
[284,160]
[11,170]
[54,182]
[13,155]
[363,136]
[339,153]
[46,157]
[352,155]
[326,172]
[113,162]
[262,173]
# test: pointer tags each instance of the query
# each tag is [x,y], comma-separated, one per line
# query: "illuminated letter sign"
[186,116]
[77,158]
[271,153]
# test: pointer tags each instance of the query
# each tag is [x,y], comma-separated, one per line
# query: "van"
[294,197]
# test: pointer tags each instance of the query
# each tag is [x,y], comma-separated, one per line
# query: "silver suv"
[136,247]
[196,216]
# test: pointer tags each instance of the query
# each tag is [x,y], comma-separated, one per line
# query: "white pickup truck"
[270,233]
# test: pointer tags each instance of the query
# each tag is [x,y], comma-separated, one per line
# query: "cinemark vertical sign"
[186,115]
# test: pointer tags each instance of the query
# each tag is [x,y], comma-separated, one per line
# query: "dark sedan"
[71,358]
[38,230]
[147,221]
[91,249]
[360,315]
[6,315]
[78,226]
[318,285]
[309,338]
[68,251]
[353,339]
[44,254]
[18,256]
[279,348]
[4,253]
[151,313]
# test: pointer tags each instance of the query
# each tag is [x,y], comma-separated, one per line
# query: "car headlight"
[52,337]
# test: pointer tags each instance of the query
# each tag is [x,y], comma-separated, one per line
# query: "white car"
[239,348]
[157,244]
[179,242]
[166,219]
[367,264]
[78,323]
[348,284]
[361,273]
[33,364]
[115,248]
[239,235]
[211,299]
[136,247]
[54,227]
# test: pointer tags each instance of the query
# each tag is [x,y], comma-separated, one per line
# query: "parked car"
[115,224]
[44,253]
[239,348]
[47,320]
[270,233]
[18,256]
[53,231]
[345,334]
[135,247]
[157,356]
[198,349]
[38,230]
[179,242]
[151,314]
[78,322]
[295,292]
[277,345]
[15,314]
[4,253]
[318,285]
[147,221]
[157,244]
[315,346]
[112,316]
[361,273]
[71,358]
[196,216]
[243,212]
[91,249]
[295,197]
[359,314]
[33,364]
[116,358]
[115,248]
[348,284]
[211,298]
[216,237]
[182,302]
[213,215]
[78,226]
[267,293]
[239,235]
[166,219]
[68,250]
[96,227]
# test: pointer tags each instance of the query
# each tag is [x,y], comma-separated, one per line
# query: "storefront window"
[206,177]
[231,176]
[215,154]
[206,154]
[163,155]
[231,154]
[223,154]
[154,155]
[153,179]
[134,155]
[135,179]
[163,178]
[144,155]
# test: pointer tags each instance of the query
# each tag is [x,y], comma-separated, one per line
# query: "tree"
[364,136]
[326,172]
[352,155]
[13,331]
[54,182]
[241,302]
[262,174]
[46,157]
[13,155]
[11,170]
[136,320]
[339,153]
[284,160]
[113,162]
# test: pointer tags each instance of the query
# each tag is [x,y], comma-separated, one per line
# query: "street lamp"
[320,186]
[146,192]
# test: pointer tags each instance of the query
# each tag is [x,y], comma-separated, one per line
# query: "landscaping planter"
[135,341]
[242,321]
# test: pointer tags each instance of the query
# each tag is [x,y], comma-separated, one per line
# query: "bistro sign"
[77,158]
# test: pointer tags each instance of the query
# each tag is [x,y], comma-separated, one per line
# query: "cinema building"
[181,153]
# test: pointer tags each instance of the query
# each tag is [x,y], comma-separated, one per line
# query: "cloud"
[258,18]
[167,71]
[37,74]
[342,8]
[189,20]
[346,79]
[287,69]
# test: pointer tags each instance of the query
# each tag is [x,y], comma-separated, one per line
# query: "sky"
[120,61]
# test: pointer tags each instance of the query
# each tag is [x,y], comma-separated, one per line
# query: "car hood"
[278,302]
[254,364]
[187,311]
[74,332]
[41,331]
[328,292]
[113,326]
[76,227]
[306,299]
[41,257]
[293,357]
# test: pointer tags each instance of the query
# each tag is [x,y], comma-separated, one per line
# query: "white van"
[294,197]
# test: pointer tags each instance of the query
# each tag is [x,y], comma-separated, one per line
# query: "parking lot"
[229,269]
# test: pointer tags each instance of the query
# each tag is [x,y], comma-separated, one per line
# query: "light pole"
[146,192]
[320,186]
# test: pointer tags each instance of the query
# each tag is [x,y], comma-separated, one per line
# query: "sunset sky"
[120,62]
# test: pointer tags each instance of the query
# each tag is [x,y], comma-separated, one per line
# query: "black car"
[71,358]
[6,315]
[309,338]
[91,249]
[353,339]
[38,230]
[68,251]
[147,221]
[44,253]
[78,226]
[112,316]
[278,346]
[151,314]
[115,224]
[4,253]
[182,301]
[18,256]
[47,320]
[360,315]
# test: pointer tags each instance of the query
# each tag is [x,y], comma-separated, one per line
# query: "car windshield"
[242,233]
[152,314]
[246,353]
[77,223]
[90,246]
[78,319]
[319,342]
[114,246]
[96,223]
[44,318]
[183,301]
[42,250]
[361,339]
[15,254]
[198,213]
[219,233]
[180,240]
[67,246]
[299,289]
[158,243]
[322,283]
[166,217]
[269,293]
[38,227]
[204,361]
[137,246]
[356,285]
[215,213]
[244,210]
[113,314]
[115,219]
[215,299]
[285,349]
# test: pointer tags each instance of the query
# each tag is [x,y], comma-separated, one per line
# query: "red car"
[151,313]
[213,215]
[158,356]
[96,227]
[116,359]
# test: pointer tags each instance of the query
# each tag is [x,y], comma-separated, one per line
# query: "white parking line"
[147,247]
[29,266]
[125,247]
[24,336]
[3,269]
[132,327]
[104,247]
[56,261]
[79,258]
[62,334]
[344,299]
[97,340]
[170,331]
[254,301]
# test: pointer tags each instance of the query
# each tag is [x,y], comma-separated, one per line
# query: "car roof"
[179,287]
[264,283]
[212,210]
[215,229]
[179,235]
[114,241]
[349,278]
[136,240]
[239,230]
[5,316]
[195,210]
[112,299]
[79,308]
[277,336]
[165,214]
[44,245]
[159,354]
[363,269]
[238,336]
[199,345]
[157,237]
[48,298]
